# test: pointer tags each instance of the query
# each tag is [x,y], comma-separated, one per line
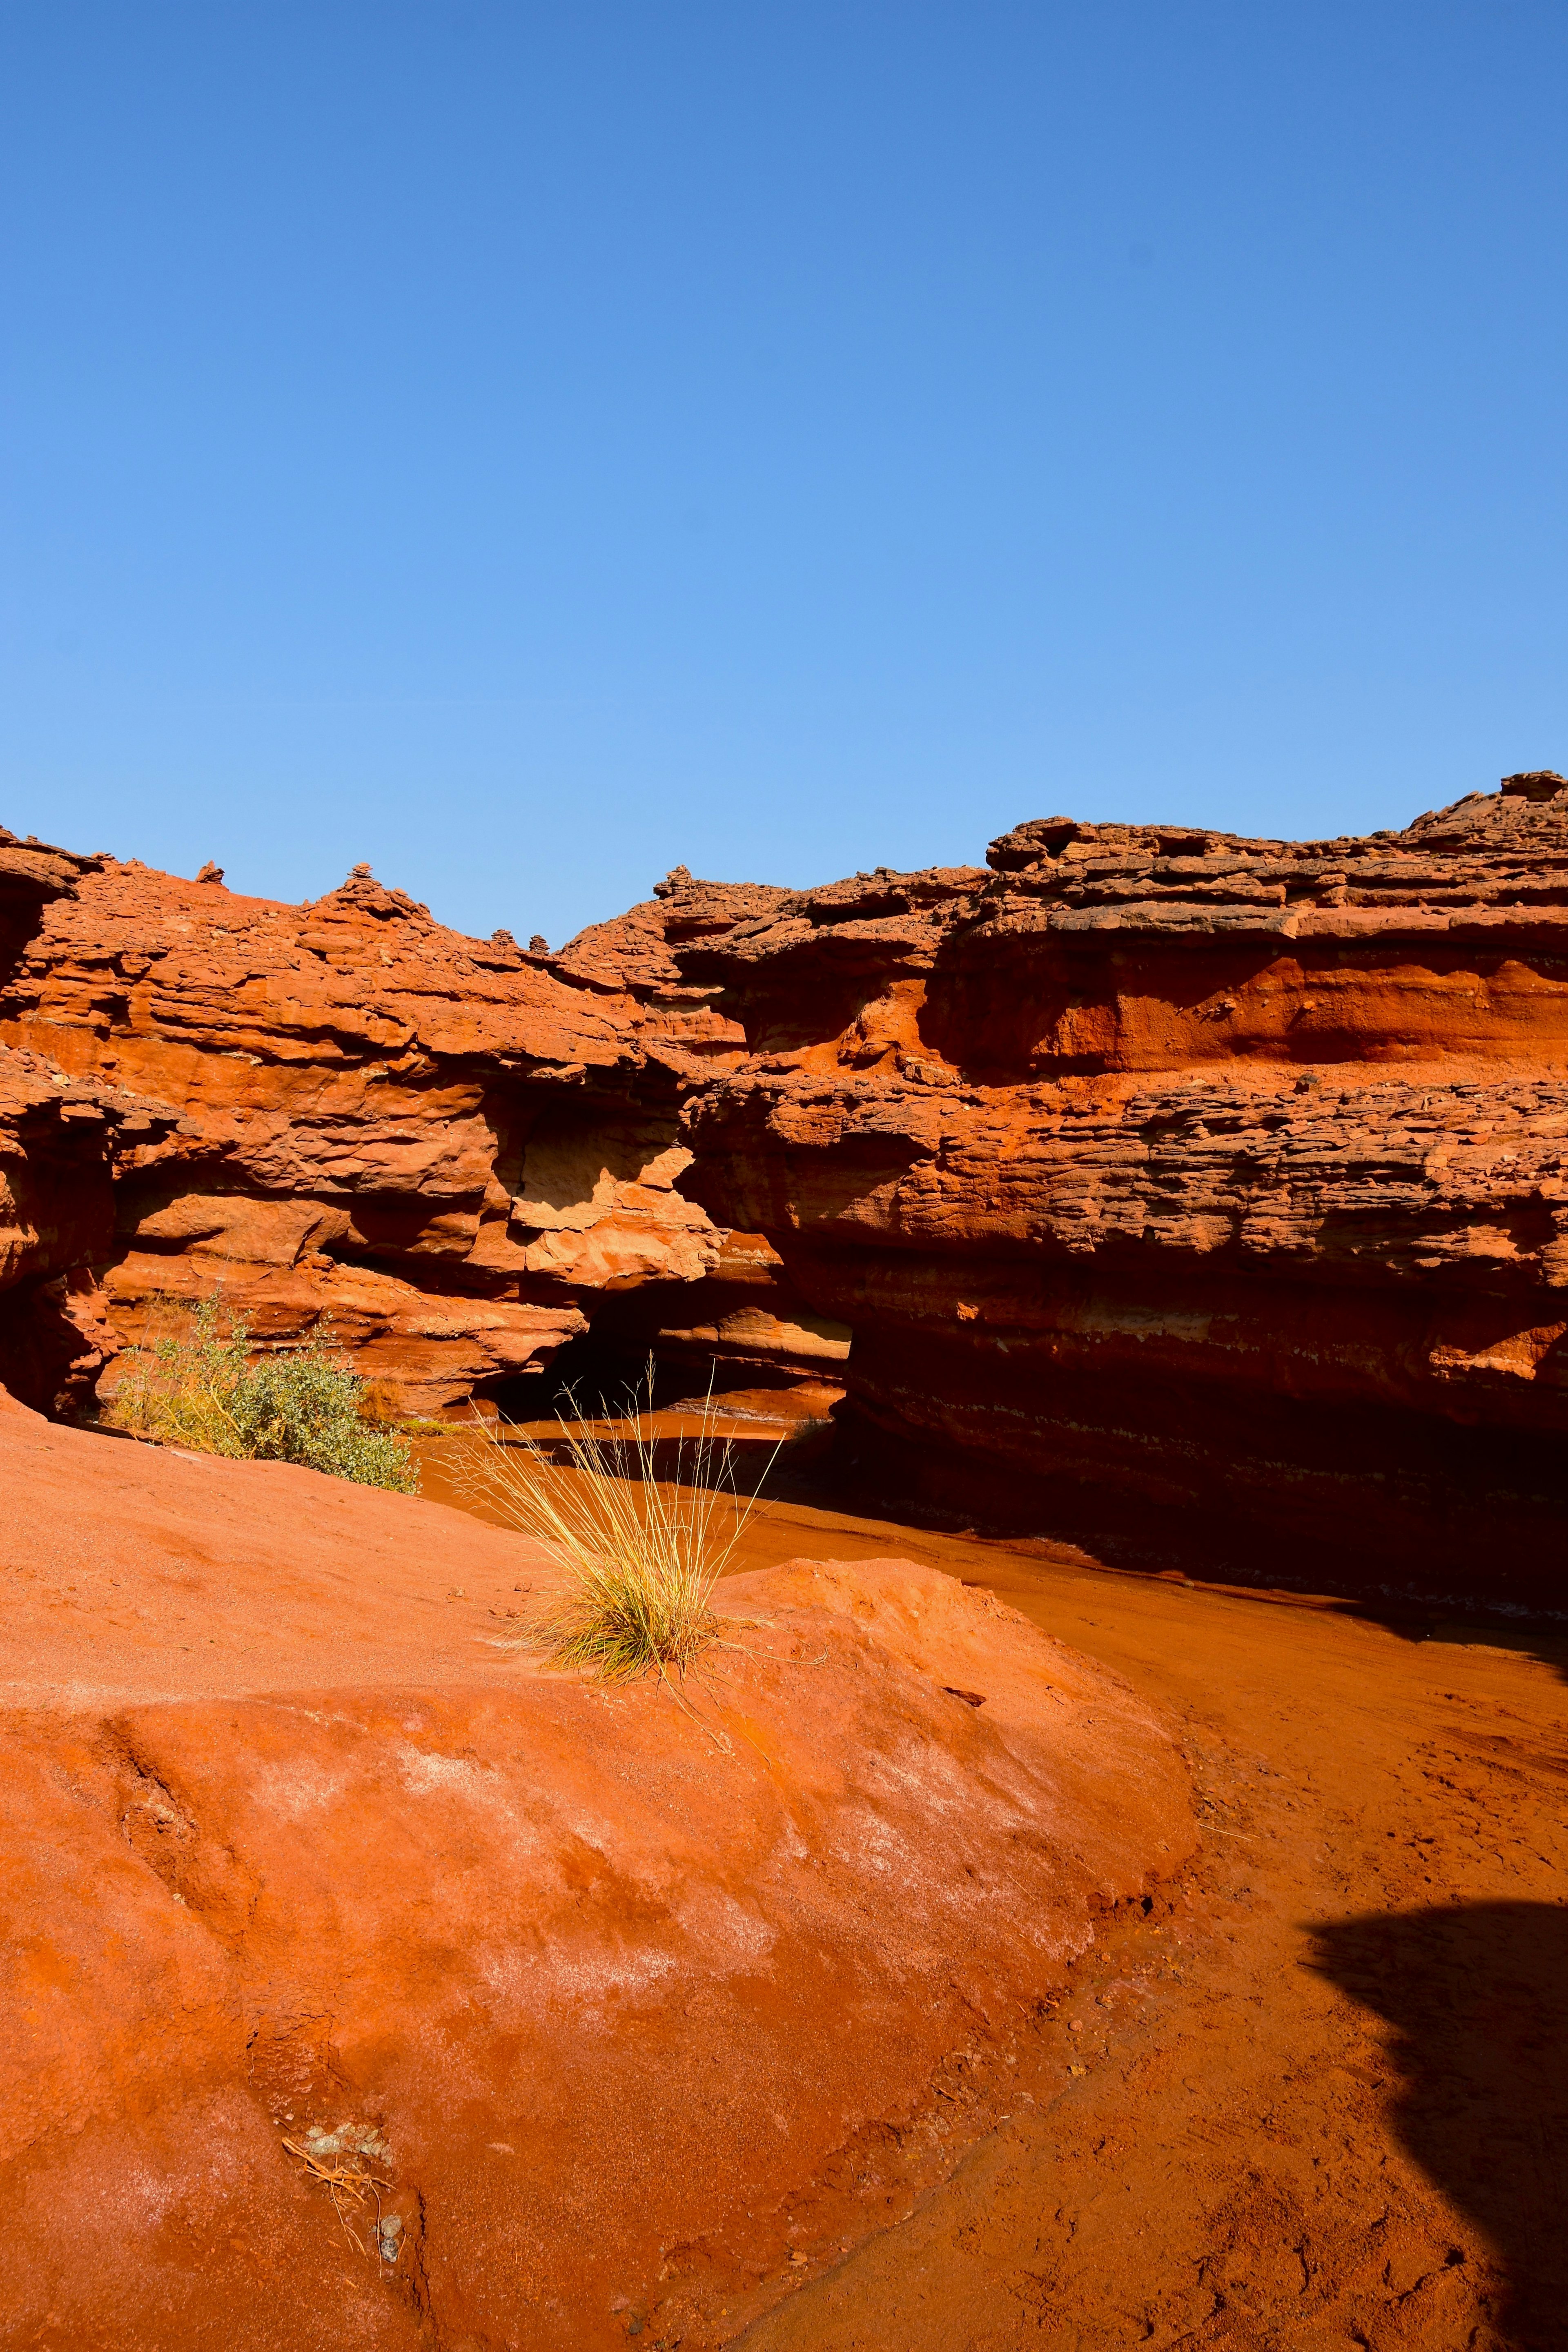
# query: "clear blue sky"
[529,445]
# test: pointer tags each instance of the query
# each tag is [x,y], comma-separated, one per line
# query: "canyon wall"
[428,1145]
[1206,1198]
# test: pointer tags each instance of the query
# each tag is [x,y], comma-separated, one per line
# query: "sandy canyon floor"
[1325,2102]
[1311,2093]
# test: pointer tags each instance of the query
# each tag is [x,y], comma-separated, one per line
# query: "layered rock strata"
[1148,1180]
[1179,1187]
[429,1145]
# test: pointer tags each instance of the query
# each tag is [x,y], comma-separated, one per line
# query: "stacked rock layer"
[426,1144]
[1204,1196]
[1207,1197]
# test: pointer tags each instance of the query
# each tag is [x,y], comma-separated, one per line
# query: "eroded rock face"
[430,1145]
[1166,1179]
[61,1142]
[1145,1180]
[301,1848]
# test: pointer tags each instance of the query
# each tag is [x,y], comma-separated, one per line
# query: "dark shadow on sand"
[1477,1995]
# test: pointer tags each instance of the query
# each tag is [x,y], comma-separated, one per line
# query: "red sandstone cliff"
[1172,1186]
[428,1142]
[1207,1195]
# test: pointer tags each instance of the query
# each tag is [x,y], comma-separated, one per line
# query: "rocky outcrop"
[1207,1196]
[429,1145]
[1201,1197]
[637,2012]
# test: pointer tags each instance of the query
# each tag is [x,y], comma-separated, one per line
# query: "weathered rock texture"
[430,1145]
[60,1141]
[624,2005]
[1184,1187]
[1171,1186]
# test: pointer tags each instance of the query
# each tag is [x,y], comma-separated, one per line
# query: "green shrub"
[201,1390]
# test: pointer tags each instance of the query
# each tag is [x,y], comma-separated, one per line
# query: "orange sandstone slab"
[300,1846]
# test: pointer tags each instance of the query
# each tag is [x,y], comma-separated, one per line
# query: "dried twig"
[341,2180]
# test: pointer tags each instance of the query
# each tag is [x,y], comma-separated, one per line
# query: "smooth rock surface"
[297,1840]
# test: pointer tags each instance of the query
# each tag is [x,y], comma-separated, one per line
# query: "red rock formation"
[432,1145]
[1179,1187]
[60,1141]
[1172,1186]
[742,1327]
[299,1848]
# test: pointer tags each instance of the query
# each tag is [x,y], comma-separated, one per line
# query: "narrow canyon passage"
[1325,2102]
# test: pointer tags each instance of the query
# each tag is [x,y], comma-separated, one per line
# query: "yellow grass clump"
[641,1554]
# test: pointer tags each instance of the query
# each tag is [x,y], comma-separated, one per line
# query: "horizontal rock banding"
[1145,1163]
[428,1145]
[1184,1186]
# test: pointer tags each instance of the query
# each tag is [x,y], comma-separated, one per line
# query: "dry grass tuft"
[641,1553]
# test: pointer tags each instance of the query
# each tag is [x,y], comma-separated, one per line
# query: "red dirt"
[634,2017]
[1326,2103]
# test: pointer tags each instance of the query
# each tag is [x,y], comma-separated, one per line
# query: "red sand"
[1326,2105]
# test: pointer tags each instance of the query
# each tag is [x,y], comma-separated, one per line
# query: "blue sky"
[529,446]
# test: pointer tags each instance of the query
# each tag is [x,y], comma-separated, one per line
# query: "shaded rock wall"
[60,1141]
[1182,1187]
[1176,1186]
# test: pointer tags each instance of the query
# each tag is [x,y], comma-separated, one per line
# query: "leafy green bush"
[201,1390]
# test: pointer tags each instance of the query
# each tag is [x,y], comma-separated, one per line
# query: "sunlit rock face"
[1144,1179]
[1171,1181]
[429,1145]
